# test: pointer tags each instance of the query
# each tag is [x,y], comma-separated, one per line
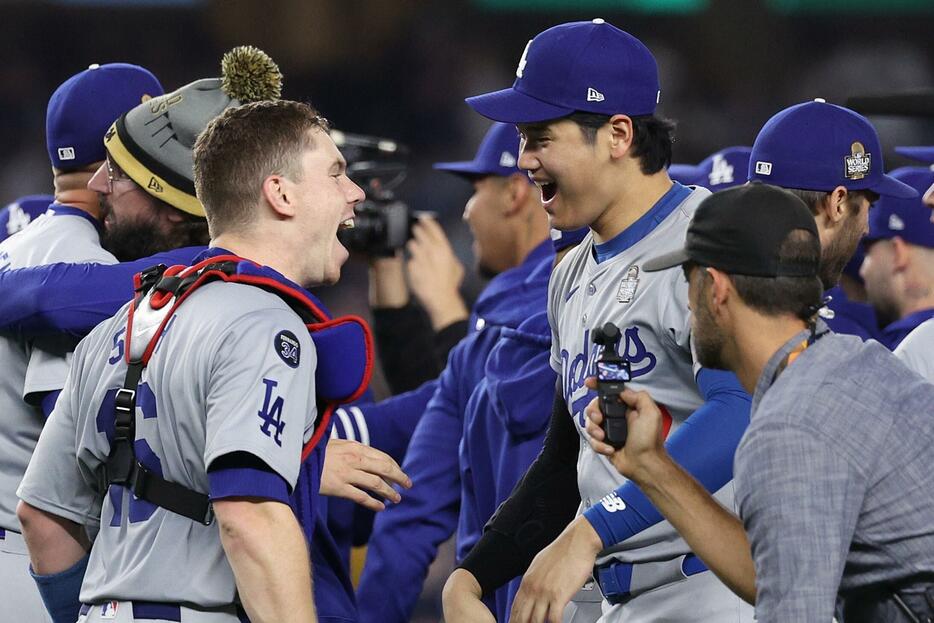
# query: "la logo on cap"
[507,160]
[522,61]
[857,164]
[721,171]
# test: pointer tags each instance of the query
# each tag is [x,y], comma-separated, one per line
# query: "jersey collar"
[265,270]
[58,209]
[644,225]
[897,331]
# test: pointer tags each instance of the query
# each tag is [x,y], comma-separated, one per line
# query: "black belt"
[143,610]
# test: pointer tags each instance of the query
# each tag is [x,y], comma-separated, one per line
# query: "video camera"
[613,372]
[382,223]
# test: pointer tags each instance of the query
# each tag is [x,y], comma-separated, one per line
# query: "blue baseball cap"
[83,108]
[718,171]
[497,155]
[20,212]
[819,146]
[921,154]
[580,66]
[909,219]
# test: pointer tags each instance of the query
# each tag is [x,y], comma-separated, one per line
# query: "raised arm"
[72,298]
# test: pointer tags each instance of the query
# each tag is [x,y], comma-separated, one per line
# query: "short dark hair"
[652,137]
[241,147]
[814,198]
[777,296]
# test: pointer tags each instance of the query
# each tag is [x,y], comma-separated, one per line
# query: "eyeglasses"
[115,174]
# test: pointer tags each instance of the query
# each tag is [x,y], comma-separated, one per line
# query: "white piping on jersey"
[361,425]
[345,422]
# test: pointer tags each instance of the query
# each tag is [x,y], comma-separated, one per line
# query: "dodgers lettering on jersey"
[219,382]
[33,367]
[652,314]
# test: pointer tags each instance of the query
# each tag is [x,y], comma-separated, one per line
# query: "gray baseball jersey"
[651,311]
[917,350]
[652,314]
[232,372]
[32,367]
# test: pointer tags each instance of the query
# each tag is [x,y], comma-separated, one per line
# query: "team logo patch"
[627,287]
[856,166]
[288,348]
[66,153]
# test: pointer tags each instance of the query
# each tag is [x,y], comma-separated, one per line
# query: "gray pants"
[122,612]
[18,592]
[700,598]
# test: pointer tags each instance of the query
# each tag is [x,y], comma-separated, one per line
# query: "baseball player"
[229,417]
[79,113]
[899,265]
[584,102]
[510,229]
[718,171]
[831,158]
[18,214]
[915,350]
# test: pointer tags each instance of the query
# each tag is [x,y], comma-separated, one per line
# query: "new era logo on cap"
[896,223]
[763,168]
[594,95]
[66,153]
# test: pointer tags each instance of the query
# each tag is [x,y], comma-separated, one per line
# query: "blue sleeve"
[48,402]
[60,591]
[407,535]
[72,298]
[387,425]
[704,445]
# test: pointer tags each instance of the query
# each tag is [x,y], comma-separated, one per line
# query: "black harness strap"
[122,466]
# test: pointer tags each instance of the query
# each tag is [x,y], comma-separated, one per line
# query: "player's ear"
[279,194]
[834,207]
[621,135]
[901,253]
[719,290]
[517,191]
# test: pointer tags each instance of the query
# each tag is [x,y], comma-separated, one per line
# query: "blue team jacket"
[505,421]
[406,536]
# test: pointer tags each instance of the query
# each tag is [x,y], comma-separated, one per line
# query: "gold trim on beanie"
[147,180]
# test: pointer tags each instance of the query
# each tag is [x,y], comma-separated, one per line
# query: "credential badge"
[627,287]
[856,165]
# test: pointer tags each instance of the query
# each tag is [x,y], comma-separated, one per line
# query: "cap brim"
[461,168]
[666,261]
[511,106]
[921,154]
[687,174]
[888,186]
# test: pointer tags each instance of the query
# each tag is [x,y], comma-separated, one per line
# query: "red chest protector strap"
[164,286]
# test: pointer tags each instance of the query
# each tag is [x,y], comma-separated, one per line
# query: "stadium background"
[401,68]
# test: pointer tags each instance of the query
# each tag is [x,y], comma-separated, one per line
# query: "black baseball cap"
[741,230]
